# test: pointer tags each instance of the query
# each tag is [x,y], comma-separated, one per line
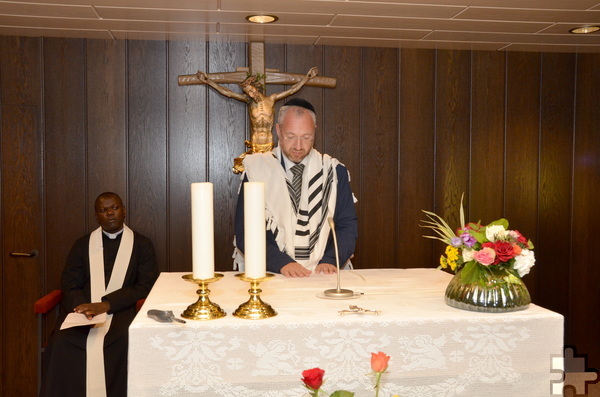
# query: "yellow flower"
[443,262]
[453,265]
[451,258]
[452,253]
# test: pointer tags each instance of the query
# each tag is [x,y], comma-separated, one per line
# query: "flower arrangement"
[481,250]
[313,378]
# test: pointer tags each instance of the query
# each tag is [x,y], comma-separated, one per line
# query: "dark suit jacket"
[346,228]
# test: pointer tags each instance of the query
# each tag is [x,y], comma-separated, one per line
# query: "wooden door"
[21,220]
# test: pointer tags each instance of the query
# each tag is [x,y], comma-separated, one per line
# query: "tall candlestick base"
[338,293]
[203,309]
[254,308]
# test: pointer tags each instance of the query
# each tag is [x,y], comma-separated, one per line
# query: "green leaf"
[471,272]
[342,393]
[512,279]
[479,236]
[475,226]
[439,226]
[462,211]
[529,245]
[501,222]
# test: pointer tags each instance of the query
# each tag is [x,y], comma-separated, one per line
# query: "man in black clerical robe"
[65,370]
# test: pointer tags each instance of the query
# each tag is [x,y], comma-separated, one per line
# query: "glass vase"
[493,293]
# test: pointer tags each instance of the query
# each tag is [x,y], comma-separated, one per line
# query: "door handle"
[30,254]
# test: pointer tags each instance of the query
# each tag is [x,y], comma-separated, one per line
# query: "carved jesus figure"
[261,109]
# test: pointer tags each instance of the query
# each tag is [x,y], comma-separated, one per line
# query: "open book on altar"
[79,319]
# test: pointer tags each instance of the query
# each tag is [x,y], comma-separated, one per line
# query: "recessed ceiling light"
[584,29]
[262,18]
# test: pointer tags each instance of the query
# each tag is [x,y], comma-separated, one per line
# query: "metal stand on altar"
[337,293]
[203,309]
[254,308]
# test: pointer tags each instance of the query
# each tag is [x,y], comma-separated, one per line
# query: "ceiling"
[497,25]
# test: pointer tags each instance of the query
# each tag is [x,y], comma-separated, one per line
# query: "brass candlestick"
[203,309]
[254,308]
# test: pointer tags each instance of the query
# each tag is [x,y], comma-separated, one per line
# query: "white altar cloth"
[435,350]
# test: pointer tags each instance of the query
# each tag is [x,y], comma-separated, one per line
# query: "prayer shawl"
[301,233]
[95,380]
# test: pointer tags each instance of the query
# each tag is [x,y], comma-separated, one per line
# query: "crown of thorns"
[256,80]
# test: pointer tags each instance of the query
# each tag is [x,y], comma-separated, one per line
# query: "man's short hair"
[108,194]
[298,104]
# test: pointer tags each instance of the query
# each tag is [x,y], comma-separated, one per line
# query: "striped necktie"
[296,184]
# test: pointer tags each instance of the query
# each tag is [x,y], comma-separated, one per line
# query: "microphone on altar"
[337,293]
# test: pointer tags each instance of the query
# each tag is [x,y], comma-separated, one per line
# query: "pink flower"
[485,256]
[313,378]
[518,236]
[379,362]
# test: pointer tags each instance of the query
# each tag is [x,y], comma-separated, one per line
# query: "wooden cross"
[256,62]
[261,107]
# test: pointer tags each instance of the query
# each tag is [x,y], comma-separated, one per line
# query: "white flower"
[495,232]
[468,255]
[524,262]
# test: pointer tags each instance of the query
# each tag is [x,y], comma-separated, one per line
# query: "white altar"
[435,350]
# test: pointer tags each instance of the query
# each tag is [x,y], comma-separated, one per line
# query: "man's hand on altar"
[326,268]
[294,269]
[92,309]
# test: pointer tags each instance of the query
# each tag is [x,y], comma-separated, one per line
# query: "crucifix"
[261,107]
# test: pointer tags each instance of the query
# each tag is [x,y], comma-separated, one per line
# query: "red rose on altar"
[504,251]
[313,378]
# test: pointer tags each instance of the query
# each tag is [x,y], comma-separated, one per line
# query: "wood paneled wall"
[516,132]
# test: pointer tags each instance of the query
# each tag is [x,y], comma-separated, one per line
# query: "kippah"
[303,103]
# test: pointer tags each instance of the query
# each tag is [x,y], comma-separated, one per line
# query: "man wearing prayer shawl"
[107,271]
[303,188]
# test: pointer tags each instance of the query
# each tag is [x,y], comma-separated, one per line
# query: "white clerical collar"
[112,236]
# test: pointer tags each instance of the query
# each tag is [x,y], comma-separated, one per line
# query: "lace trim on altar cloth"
[441,363]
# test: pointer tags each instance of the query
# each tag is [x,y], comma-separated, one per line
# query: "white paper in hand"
[79,319]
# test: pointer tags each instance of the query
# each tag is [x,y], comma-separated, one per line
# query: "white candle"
[203,255]
[255,255]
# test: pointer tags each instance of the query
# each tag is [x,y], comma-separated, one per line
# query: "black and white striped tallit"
[301,232]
